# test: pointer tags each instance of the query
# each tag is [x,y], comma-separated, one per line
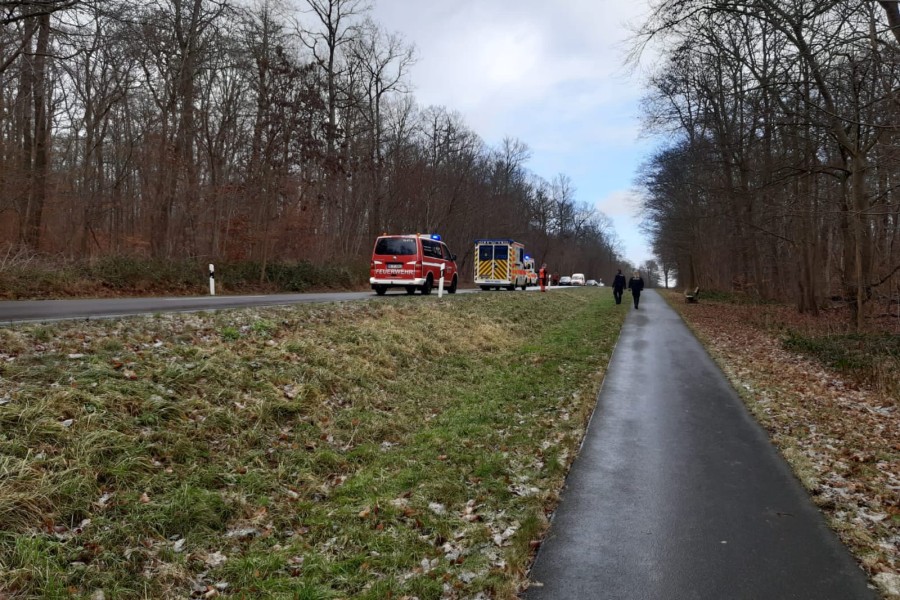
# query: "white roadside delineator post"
[441,283]
[212,280]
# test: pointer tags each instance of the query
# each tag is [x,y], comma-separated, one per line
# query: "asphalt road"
[17,311]
[677,492]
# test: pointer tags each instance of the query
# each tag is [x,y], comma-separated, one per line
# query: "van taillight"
[418,268]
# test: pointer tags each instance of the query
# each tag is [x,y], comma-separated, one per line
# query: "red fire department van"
[414,262]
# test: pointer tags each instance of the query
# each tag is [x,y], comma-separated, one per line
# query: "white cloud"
[548,73]
[508,56]
[620,203]
[494,57]
[623,208]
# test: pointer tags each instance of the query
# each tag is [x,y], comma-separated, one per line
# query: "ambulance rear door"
[493,266]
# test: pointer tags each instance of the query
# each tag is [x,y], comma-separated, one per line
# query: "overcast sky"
[549,74]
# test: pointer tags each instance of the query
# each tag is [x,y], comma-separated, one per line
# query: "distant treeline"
[226,130]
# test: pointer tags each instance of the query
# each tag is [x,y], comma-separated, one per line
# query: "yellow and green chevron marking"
[493,269]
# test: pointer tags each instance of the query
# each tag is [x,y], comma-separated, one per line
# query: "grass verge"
[390,449]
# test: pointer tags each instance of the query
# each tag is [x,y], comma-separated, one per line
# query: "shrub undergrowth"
[868,358]
[127,275]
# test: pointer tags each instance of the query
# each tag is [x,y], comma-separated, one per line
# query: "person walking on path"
[542,275]
[636,285]
[618,286]
[676,492]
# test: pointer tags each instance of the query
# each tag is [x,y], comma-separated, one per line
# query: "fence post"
[441,283]
[212,280]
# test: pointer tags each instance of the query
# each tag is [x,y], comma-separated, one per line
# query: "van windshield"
[396,246]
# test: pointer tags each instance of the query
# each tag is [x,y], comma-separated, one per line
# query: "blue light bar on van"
[527,257]
[435,236]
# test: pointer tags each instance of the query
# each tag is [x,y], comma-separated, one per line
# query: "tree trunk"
[40,171]
[892,10]
[862,251]
[25,130]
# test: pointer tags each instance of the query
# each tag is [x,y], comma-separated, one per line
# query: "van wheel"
[486,288]
[380,289]
[426,287]
[410,289]
[511,288]
[452,288]
[525,286]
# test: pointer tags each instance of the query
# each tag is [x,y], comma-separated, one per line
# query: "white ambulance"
[500,263]
[530,272]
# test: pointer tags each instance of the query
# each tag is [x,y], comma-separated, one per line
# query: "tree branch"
[31,8]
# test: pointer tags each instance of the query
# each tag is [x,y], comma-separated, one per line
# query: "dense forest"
[782,179]
[221,130]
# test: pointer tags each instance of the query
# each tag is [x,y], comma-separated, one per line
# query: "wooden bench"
[692,296]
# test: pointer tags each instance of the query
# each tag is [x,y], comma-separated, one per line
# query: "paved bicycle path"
[677,492]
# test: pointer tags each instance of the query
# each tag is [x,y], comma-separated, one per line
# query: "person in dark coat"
[618,286]
[636,285]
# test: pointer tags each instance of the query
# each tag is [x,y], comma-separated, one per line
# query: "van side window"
[431,249]
[446,250]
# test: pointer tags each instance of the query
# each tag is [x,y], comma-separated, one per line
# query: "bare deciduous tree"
[202,129]
[796,102]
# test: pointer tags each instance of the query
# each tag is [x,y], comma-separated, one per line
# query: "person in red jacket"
[542,275]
